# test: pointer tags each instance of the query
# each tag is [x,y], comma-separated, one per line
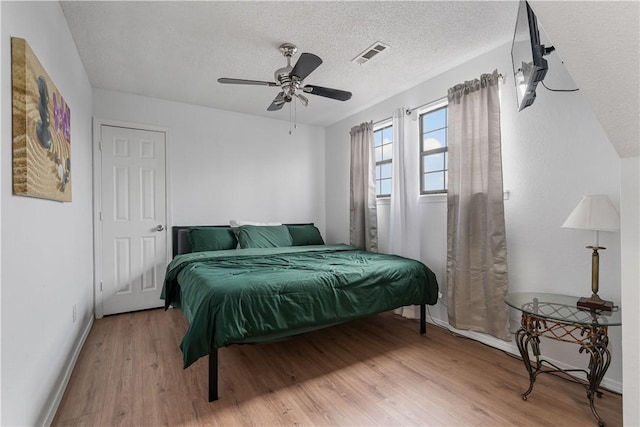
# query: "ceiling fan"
[290,80]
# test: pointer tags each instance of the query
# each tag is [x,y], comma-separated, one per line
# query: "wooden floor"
[375,371]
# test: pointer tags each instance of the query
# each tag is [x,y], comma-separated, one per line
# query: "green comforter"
[257,295]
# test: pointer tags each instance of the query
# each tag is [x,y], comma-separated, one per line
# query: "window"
[433,150]
[383,145]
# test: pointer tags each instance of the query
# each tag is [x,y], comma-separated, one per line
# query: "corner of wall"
[46,419]
[630,276]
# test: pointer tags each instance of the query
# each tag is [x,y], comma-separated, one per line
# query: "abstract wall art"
[41,129]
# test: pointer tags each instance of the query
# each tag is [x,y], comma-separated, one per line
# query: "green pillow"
[303,235]
[263,236]
[211,239]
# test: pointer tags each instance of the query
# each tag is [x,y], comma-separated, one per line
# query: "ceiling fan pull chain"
[289,118]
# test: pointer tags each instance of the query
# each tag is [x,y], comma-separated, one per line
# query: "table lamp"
[594,212]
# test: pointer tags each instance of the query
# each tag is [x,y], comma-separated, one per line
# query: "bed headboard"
[181,243]
[179,239]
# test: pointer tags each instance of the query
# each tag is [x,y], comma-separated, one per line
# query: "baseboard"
[614,386]
[52,408]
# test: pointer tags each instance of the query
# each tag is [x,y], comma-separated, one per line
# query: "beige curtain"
[363,223]
[477,253]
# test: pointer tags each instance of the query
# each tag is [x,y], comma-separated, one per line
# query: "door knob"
[159,227]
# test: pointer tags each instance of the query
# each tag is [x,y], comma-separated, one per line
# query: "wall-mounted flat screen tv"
[529,66]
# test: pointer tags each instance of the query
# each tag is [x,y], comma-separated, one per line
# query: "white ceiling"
[177,50]
[599,42]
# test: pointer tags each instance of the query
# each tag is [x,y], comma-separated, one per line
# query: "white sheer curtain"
[363,222]
[477,253]
[404,232]
[404,226]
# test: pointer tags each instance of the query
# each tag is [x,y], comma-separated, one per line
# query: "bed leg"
[213,375]
[423,319]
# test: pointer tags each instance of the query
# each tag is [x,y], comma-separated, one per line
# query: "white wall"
[630,240]
[46,246]
[226,165]
[554,152]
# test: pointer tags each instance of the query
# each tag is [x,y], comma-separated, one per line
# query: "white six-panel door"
[132,218]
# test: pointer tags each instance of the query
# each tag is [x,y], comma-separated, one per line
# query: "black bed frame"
[180,245]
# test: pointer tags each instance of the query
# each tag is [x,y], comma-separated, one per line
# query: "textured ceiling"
[177,50]
[599,42]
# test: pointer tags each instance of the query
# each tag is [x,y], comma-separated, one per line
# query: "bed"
[256,284]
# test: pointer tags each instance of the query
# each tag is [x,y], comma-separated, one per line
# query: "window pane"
[435,120]
[378,153]
[378,187]
[377,138]
[433,181]
[433,162]
[387,151]
[385,186]
[385,170]
[387,135]
[377,171]
[434,150]
[435,139]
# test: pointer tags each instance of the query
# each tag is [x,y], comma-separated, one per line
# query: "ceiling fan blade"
[245,82]
[340,95]
[305,65]
[277,103]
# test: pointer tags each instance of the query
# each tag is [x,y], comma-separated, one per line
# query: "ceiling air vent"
[370,52]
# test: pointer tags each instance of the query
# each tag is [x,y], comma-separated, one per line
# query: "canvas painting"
[41,129]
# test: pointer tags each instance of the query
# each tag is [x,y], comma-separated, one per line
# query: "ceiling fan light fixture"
[303,99]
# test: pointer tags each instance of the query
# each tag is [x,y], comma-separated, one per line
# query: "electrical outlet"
[75,313]
[439,295]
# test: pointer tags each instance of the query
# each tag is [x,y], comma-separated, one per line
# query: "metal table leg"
[599,360]
[592,340]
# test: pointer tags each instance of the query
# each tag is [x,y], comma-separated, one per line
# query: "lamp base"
[596,303]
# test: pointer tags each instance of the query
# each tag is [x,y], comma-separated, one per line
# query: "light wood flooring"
[374,371]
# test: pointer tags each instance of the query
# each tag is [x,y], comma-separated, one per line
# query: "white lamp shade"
[594,212]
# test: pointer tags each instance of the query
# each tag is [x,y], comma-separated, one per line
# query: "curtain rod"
[408,111]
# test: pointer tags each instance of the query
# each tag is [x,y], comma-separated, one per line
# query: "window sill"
[424,198]
[428,198]
[433,198]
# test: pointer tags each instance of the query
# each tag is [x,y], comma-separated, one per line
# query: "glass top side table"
[557,317]
[562,308]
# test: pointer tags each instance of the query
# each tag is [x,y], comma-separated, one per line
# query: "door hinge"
[100,146]
[100,286]
[100,216]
